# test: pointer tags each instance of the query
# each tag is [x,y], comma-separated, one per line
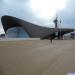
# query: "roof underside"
[32,29]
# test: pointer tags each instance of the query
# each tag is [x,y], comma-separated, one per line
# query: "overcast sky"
[41,12]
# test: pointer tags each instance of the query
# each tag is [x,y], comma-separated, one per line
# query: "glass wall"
[16,32]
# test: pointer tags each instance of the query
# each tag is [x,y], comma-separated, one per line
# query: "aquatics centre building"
[17,28]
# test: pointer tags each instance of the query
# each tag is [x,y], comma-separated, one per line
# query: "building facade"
[15,28]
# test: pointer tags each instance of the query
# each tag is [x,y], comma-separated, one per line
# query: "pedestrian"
[51,41]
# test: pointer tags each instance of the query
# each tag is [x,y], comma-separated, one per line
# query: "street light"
[60,28]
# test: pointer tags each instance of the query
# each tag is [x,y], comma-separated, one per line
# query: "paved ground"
[37,57]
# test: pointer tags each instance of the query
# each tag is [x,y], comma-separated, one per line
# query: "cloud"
[22,9]
[68,14]
[19,9]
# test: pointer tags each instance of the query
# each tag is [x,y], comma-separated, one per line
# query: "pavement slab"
[37,57]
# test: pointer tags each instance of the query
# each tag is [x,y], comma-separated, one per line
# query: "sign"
[56,33]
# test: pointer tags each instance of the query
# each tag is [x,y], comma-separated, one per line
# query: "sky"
[40,12]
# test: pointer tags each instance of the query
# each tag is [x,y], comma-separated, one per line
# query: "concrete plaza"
[37,57]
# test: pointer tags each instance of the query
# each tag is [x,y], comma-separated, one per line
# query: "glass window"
[16,32]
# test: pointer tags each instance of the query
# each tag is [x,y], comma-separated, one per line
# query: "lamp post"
[60,28]
[56,25]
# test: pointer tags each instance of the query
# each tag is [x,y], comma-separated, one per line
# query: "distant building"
[2,35]
[72,35]
[15,27]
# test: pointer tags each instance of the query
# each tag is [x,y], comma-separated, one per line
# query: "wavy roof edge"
[33,30]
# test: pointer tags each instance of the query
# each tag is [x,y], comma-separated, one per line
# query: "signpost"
[56,34]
